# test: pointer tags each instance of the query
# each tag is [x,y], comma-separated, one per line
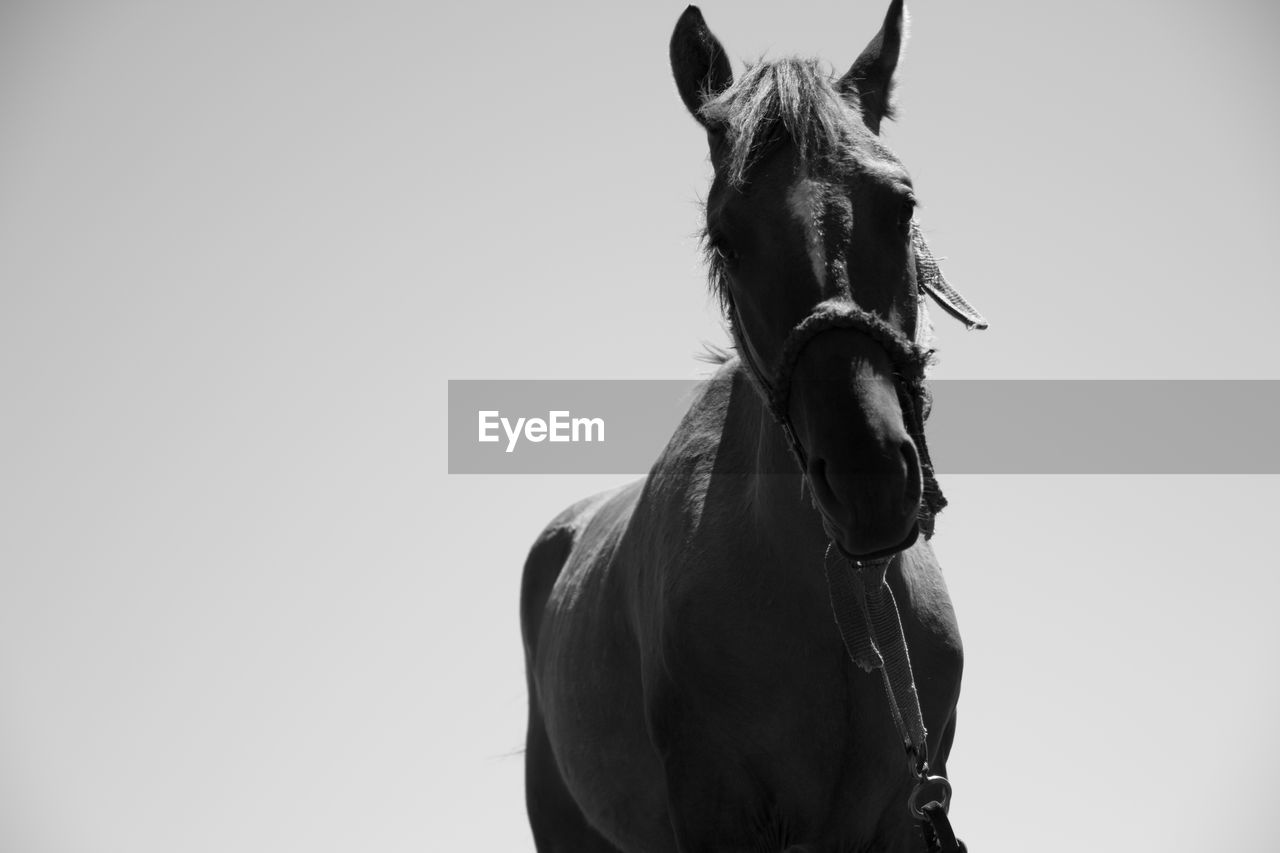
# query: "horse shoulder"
[933,633]
[584,685]
[574,528]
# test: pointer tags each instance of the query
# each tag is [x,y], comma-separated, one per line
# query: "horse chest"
[760,707]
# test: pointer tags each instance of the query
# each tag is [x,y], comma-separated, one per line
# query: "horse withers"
[688,687]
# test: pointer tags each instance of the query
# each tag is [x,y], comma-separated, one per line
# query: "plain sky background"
[243,245]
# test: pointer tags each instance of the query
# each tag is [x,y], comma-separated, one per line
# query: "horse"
[688,687]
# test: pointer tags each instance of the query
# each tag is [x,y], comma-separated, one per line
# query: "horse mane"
[791,95]
[792,99]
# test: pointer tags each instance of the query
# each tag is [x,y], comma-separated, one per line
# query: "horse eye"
[906,212]
[723,251]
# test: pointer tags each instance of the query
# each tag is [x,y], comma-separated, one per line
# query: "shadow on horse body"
[688,689]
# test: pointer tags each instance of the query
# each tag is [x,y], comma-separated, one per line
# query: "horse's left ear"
[870,80]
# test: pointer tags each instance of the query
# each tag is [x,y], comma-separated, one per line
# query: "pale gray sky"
[243,246]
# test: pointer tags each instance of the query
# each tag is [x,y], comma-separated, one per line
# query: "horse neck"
[781,507]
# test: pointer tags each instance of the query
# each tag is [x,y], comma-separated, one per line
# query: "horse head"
[812,250]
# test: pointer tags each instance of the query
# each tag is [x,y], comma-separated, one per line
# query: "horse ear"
[698,62]
[870,80]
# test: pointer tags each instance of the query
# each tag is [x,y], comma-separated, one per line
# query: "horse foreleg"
[558,824]
[554,816]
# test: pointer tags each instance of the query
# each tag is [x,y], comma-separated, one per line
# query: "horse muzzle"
[869,510]
[847,390]
[860,461]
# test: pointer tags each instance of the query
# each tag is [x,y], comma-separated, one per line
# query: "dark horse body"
[688,689]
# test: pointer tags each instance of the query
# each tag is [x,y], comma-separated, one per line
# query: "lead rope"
[865,610]
[867,615]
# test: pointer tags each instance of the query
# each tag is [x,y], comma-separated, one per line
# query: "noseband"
[909,358]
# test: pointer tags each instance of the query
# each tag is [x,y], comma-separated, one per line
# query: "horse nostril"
[822,491]
[911,462]
[882,491]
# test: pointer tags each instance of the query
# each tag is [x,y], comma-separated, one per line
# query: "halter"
[908,357]
[861,600]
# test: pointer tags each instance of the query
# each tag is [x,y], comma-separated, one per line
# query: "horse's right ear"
[698,62]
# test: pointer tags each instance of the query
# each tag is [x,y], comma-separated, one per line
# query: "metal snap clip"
[938,783]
